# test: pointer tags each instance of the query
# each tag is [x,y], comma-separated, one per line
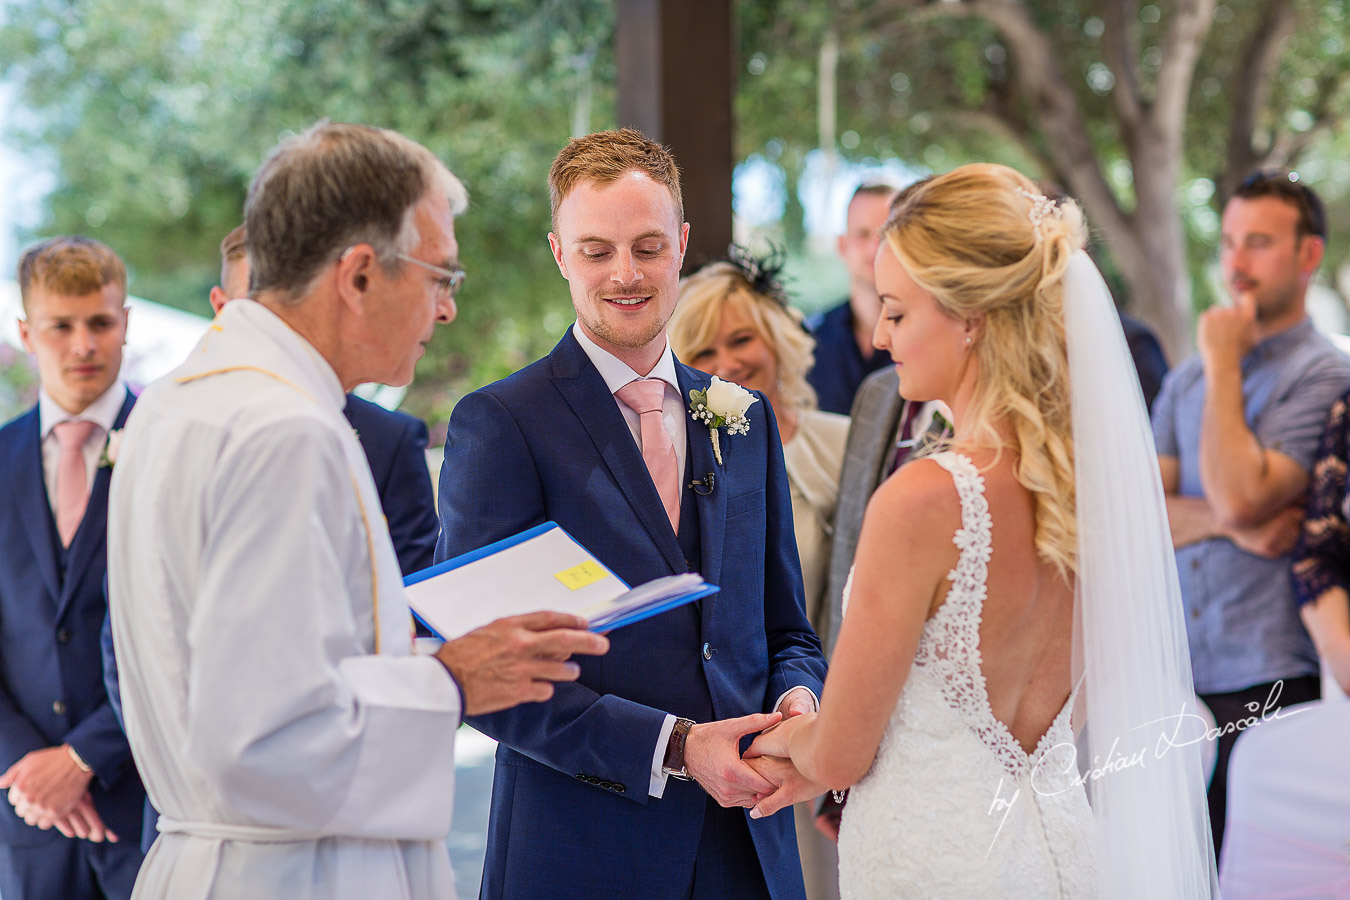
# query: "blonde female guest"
[733,321]
[1010,590]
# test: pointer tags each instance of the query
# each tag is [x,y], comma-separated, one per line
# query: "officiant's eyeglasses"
[448,284]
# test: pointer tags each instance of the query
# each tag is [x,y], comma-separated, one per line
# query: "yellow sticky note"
[578,577]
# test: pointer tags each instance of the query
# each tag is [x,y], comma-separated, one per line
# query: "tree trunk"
[1147,244]
[1159,284]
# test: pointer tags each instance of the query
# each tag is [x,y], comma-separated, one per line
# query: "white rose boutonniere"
[109,456]
[722,405]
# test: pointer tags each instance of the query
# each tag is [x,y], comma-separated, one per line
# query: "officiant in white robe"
[293,745]
[249,446]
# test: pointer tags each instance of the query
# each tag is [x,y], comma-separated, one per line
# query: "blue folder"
[605,622]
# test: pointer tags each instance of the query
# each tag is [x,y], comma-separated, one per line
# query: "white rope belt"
[250,834]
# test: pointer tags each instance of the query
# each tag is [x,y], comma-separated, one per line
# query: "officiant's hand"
[791,786]
[712,757]
[516,660]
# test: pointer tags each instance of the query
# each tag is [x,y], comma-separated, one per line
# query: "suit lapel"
[587,394]
[712,507]
[92,535]
[34,507]
[882,443]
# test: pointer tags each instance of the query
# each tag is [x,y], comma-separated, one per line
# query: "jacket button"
[707,651]
[63,636]
[606,785]
[59,708]
[620,788]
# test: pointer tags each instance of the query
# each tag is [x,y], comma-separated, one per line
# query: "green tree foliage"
[1105,97]
[157,112]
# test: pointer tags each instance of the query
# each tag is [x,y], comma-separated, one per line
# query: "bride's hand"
[774,741]
[791,786]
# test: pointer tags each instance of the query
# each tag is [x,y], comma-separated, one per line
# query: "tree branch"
[999,121]
[1288,148]
[1120,47]
[1046,89]
[1251,92]
[1187,28]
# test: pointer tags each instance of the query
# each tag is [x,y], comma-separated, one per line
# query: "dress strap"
[973,539]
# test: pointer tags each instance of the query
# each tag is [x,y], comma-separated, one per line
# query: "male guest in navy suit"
[591,797]
[66,764]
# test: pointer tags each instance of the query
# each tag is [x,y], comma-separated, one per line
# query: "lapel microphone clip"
[703,487]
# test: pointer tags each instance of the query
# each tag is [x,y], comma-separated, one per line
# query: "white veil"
[1139,748]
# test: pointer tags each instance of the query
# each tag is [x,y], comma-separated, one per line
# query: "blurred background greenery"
[153,114]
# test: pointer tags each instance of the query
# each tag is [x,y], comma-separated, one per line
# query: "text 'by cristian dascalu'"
[1175,732]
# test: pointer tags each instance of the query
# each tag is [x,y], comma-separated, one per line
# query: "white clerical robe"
[292,745]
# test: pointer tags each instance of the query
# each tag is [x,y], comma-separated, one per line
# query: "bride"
[1010,696]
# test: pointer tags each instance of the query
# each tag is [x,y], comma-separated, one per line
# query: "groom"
[591,796]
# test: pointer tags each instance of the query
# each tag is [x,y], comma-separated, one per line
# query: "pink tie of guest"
[72,480]
[644,397]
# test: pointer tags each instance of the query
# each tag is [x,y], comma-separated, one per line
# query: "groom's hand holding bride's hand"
[712,757]
[769,756]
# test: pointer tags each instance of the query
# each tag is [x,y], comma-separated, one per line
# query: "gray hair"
[333,186]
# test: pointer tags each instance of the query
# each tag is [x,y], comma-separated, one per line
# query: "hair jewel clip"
[763,273]
[1041,206]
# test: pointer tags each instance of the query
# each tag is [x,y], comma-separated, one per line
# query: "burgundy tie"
[905,443]
[644,397]
[72,479]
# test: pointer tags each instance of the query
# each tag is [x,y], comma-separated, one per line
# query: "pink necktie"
[658,450]
[72,481]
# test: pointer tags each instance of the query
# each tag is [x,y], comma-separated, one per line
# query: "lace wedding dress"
[953,806]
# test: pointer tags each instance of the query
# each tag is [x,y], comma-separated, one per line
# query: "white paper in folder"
[543,568]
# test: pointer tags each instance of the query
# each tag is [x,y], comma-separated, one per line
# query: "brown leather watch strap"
[673,765]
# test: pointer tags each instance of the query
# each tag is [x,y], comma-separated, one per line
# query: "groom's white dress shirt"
[291,743]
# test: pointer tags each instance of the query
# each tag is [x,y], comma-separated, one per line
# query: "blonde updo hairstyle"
[987,245]
[720,286]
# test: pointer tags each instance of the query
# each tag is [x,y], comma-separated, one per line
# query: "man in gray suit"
[886,429]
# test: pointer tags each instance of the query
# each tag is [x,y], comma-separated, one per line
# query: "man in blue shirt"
[1237,427]
[844,351]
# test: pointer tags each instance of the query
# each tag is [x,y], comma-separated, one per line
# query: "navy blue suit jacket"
[571,815]
[839,367]
[395,445]
[51,678]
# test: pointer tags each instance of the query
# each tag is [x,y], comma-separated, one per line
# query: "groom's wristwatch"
[674,761]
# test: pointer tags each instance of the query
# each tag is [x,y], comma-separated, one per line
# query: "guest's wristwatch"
[674,761]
